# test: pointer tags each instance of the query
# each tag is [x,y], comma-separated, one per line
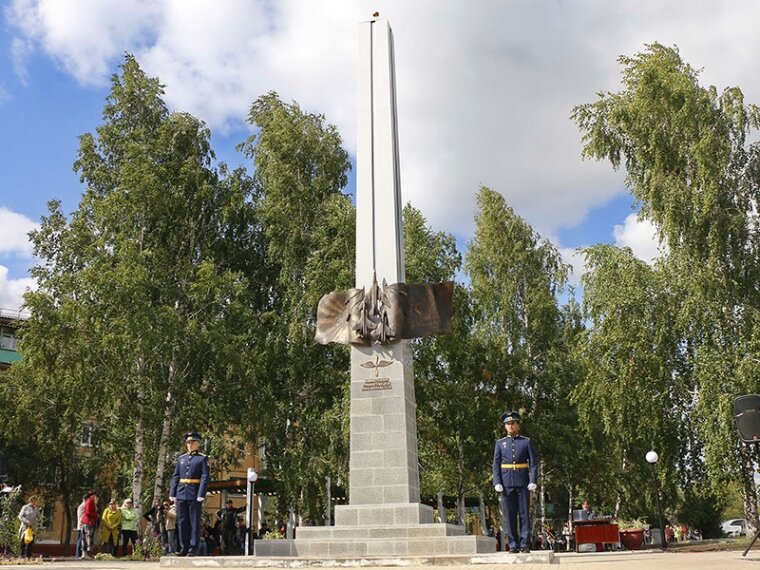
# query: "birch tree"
[689,163]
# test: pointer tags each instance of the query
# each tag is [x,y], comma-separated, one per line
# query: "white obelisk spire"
[383,471]
[384,516]
[379,239]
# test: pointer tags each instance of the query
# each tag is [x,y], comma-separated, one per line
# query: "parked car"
[734,527]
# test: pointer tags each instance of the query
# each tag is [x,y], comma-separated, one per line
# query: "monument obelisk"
[384,516]
[383,475]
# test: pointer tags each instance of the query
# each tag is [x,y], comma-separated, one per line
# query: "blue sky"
[484,93]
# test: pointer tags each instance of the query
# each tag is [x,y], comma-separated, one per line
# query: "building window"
[47,518]
[263,456]
[8,342]
[51,475]
[88,435]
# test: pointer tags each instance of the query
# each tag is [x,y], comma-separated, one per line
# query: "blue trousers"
[78,548]
[516,501]
[189,525]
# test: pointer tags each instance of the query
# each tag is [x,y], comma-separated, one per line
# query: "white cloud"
[14,245]
[485,89]
[85,36]
[640,235]
[573,257]
[13,233]
[12,290]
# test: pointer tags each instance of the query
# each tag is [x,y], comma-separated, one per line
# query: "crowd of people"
[116,529]
[119,526]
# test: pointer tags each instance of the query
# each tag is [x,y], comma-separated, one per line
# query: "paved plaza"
[647,560]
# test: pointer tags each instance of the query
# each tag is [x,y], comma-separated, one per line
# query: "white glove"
[173,499]
[201,499]
[498,488]
[532,487]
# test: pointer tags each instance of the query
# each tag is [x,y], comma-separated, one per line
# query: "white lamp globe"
[652,456]
[252,475]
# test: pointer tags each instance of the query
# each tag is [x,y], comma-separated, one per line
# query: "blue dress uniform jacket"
[190,477]
[188,484]
[514,466]
[514,462]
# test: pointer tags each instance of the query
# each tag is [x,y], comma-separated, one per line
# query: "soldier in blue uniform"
[188,491]
[515,471]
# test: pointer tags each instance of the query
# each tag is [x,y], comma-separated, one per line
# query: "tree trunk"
[163,446]
[66,500]
[139,459]
[460,488]
[166,429]
[749,490]
[139,451]
[619,495]
[570,521]
[542,504]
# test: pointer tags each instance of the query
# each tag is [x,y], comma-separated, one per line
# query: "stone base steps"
[378,531]
[364,547]
[543,557]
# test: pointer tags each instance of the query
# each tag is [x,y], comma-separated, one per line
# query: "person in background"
[228,527]
[109,534]
[241,531]
[171,529]
[203,541]
[586,513]
[129,521]
[156,520]
[78,550]
[89,522]
[567,533]
[28,518]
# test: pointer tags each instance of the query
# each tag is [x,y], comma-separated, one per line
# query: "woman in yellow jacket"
[111,521]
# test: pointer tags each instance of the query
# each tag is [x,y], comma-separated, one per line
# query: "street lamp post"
[252,476]
[652,458]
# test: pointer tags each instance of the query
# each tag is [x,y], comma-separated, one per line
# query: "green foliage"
[307,226]
[682,146]
[694,348]
[454,440]
[523,339]
[631,524]
[632,362]
[21,561]
[732,502]
[148,291]
[148,548]
[10,506]
[701,509]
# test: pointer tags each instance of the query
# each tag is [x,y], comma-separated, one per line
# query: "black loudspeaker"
[747,415]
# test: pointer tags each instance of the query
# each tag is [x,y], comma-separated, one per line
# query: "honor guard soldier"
[188,491]
[515,471]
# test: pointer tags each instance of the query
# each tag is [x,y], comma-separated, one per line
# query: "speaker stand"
[757,535]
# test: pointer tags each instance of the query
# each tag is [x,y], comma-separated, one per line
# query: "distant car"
[734,527]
